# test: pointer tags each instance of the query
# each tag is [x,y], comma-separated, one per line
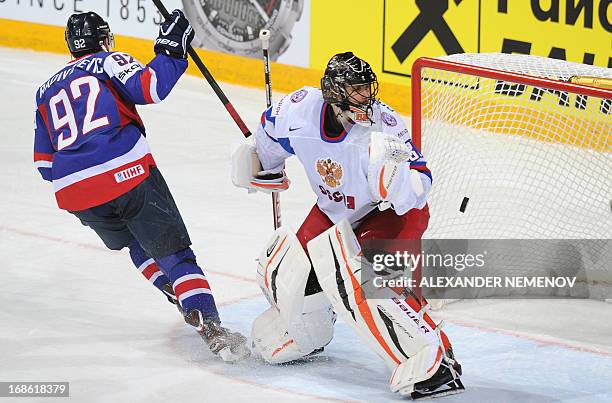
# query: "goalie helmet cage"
[517,151]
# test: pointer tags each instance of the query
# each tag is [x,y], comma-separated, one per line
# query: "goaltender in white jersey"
[371,184]
[337,167]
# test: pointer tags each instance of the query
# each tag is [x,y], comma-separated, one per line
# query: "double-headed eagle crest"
[330,171]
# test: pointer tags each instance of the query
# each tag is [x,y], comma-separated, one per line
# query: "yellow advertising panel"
[427,28]
[342,25]
[391,34]
[574,30]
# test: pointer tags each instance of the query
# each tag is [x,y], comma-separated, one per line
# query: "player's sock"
[189,283]
[149,269]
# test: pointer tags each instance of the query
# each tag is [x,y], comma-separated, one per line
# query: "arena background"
[390,34]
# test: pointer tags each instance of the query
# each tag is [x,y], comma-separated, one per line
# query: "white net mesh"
[533,162]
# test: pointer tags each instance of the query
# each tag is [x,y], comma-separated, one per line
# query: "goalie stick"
[264,35]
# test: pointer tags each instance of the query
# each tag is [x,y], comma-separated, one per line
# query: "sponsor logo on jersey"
[127,73]
[279,105]
[330,171]
[129,173]
[388,119]
[298,96]
[359,115]
[402,133]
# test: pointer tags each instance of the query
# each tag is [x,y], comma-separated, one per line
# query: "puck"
[464,204]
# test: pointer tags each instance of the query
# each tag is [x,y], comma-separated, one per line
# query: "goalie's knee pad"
[296,324]
[393,325]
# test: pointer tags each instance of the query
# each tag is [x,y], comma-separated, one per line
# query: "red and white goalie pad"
[248,173]
[393,325]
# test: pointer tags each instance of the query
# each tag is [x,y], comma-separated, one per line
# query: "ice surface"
[73,311]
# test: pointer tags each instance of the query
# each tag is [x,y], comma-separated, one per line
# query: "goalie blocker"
[248,173]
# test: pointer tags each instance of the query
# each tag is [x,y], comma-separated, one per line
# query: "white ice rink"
[70,310]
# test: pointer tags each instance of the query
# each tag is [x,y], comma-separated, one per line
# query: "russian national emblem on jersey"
[330,171]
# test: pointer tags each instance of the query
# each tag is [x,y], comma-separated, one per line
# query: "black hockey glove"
[175,35]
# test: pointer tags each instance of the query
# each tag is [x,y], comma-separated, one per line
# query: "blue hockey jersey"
[89,140]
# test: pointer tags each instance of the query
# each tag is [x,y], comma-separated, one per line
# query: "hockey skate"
[230,346]
[444,382]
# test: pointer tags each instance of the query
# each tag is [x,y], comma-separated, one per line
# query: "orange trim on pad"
[364,309]
[270,261]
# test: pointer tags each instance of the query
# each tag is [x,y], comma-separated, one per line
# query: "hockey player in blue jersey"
[90,144]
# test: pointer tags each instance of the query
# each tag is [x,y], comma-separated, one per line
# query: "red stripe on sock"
[150,270]
[190,285]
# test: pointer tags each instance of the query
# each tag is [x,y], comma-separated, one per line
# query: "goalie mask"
[350,85]
[88,33]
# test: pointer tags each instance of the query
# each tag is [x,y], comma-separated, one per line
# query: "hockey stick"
[211,80]
[264,35]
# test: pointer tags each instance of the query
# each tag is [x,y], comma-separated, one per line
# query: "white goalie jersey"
[337,167]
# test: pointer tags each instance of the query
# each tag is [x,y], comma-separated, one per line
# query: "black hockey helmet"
[350,83]
[86,33]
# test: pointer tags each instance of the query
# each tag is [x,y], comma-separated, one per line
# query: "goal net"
[520,148]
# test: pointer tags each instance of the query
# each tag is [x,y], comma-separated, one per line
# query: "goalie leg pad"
[314,328]
[304,324]
[393,326]
[282,272]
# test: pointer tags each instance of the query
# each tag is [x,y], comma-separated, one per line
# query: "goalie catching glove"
[248,173]
[391,180]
